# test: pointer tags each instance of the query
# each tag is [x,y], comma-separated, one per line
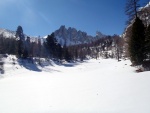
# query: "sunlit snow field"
[94,86]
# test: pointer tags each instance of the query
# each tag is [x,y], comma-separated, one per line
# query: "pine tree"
[20,43]
[131,9]
[11,46]
[59,51]
[28,46]
[66,54]
[136,42]
[19,33]
[39,47]
[51,44]
[147,43]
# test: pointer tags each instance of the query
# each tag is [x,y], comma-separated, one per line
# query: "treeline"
[24,47]
[107,47]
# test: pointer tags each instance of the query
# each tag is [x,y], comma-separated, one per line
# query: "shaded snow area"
[94,86]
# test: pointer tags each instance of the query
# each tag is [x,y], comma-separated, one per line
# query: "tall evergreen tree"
[59,51]
[136,42]
[19,33]
[19,48]
[28,46]
[39,47]
[131,9]
[66,54]
[51,44]
[20,43]
[147,43]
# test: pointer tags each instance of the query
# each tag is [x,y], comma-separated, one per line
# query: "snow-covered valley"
[94,86]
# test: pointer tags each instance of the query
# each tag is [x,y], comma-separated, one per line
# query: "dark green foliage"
[50,43]
[54,48]
[20,47]
[39,48]
[59,51]
[66,53]
[147,43]
[19,33]
[136,42]
[7,45]
[11,46]
[28,46]
[25,54]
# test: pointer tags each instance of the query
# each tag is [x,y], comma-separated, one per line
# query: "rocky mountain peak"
[72,36]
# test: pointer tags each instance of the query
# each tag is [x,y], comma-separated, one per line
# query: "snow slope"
[94,86]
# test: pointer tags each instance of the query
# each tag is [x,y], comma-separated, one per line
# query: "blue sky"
[42,17]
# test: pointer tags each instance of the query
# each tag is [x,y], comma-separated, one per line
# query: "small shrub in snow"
[139,70]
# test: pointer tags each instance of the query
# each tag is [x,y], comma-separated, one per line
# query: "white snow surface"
[94,86]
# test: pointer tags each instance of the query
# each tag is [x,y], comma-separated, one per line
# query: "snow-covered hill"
[7,33]
[94,86]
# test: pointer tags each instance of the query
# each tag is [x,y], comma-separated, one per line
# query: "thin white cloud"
[29,16]
[45,18]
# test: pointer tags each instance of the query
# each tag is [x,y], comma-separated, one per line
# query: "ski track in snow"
[94,86]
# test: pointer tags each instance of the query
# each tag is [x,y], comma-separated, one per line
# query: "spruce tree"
[59,51]
[51,43]
[19,33]
[147,43]
[65,53]
[136,42]
[20,42]
[131,9]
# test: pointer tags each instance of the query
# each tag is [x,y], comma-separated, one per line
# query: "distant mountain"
[11,34]
[71,36]
[68,36]
[7,33]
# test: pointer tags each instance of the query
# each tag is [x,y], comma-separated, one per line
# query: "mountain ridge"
[68,36]
[72,36]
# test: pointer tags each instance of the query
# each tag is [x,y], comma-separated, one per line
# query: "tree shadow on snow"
[72,64]
[28,64]
[68,65]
